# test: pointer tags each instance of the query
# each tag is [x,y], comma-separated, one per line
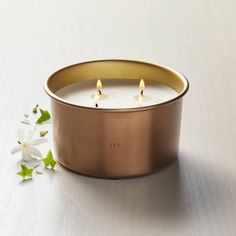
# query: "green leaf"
[25,173]
[49,161]
[44,116]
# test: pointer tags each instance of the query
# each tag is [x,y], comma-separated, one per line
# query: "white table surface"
[194,196]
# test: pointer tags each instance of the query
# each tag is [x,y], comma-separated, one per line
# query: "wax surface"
[116,93]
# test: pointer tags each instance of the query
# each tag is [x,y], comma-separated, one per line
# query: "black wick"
[100,93]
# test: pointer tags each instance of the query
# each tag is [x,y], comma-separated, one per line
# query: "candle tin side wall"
[116,143]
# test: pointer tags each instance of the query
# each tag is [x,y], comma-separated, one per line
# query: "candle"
[116,118]
[116,93]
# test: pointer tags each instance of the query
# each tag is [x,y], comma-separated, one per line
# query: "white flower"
[26,145]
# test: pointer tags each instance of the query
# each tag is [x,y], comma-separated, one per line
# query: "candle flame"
[99,84]
[141,85]
[98,94]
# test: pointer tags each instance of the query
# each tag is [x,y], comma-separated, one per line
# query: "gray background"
[195,195]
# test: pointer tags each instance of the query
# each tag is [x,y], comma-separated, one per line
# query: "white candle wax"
[116,93]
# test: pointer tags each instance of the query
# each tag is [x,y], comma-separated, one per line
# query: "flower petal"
[31,134]
[35,152]
[20,135]
[26,156]
[16,149]
[38,141]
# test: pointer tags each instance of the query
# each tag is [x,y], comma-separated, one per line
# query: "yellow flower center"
[25,145]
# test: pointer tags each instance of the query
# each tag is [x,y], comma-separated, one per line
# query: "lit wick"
[141,95]
[99,87]
[98,93]
[141,87]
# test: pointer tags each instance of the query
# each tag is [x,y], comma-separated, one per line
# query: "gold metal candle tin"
[116,143]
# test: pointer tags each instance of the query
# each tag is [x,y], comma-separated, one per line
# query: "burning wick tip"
[141,92]
[100,92]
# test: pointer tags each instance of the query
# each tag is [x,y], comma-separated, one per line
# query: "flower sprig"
[28,145]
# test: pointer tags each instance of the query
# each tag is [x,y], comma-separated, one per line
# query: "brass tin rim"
[135,109]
